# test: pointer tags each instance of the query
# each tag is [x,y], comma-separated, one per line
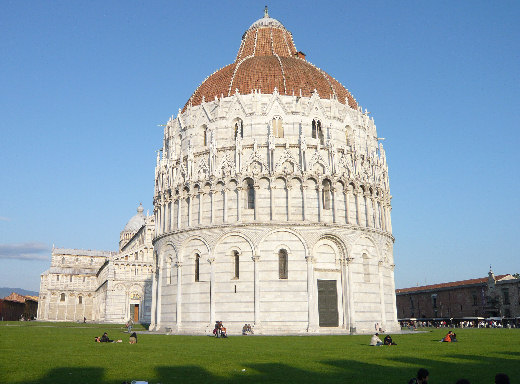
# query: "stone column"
[201,194]
[178,309]
[159,295]
[289,207]
[347,206]
[239,203]
[333,201]
[271,188]
[312,305]
[319,191]
[346,301]
[212,293]
[256,187]
[179,208]
[163,216]
[382,293]
[154,301]
[212,205]
[358,208]
[389,210]
[394,305]
[156,221]
[188,200]
[256,261]
[378,214]
[171,215]
[224,204]
[303,201]
[368,210]
[350,288]
[166,206]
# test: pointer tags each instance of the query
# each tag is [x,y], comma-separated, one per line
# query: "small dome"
[136,222]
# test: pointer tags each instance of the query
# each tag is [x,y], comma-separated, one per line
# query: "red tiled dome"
[267,59]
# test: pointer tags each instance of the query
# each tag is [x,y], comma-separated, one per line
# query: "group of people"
[106,339]
[423,376]
[376,341]
[219,330]
[247,329]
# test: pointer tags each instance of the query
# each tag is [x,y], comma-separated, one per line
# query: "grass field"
[66,353]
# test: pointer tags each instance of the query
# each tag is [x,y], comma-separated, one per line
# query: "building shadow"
[383,370]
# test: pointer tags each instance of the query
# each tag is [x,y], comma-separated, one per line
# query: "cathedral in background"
[102,286]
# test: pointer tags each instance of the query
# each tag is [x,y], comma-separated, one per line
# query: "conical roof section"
[268,59]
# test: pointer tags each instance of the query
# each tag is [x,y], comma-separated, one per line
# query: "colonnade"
[348,205]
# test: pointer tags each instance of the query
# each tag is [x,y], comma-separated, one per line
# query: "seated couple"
[376,341]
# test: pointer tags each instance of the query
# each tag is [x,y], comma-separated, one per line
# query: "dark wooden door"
[136,313]
[328,303]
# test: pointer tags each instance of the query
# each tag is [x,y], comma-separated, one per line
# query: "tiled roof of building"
[268,59]
[452,284]
[19,298]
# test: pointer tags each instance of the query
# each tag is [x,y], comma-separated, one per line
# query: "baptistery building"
[272,202]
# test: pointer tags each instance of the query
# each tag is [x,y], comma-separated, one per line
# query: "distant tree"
[516,275]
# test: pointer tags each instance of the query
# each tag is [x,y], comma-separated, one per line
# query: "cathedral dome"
[267,60]
[136,221]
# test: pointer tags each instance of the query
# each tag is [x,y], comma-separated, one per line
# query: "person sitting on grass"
[450,336]
[422,377]
[388,340]
[105,339]
[375,341]
[133,338]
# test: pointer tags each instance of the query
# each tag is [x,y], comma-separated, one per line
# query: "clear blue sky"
[83,86]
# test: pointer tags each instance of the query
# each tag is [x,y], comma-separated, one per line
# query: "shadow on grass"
[477,369]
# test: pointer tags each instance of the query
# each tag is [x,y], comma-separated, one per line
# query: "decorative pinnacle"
[266,13]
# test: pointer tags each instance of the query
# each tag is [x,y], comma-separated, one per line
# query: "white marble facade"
[102,286]
[258,199]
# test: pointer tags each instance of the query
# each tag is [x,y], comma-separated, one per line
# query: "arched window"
[91,260]
[366,268]
[326,194]
[71,278]
[197,267]
[239,128]
[57,277]
[277,127]
[250,193]
[317,132]
[236,259]
[283,264]
[63,260]
[62,297]
[80,299]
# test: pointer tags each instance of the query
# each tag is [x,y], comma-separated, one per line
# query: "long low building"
[491,296]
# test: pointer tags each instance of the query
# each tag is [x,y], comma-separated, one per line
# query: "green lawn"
[66,353]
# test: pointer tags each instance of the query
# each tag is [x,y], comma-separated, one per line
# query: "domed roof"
[268,59]
[136,222]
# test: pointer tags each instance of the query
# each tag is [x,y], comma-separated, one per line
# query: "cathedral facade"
[102,286]
[272,202]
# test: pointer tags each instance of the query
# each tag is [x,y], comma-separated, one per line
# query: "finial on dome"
[266,13]
[140,208]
